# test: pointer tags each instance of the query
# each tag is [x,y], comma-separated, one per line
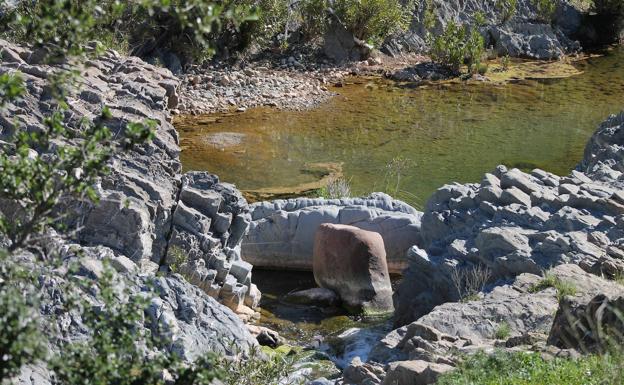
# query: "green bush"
[503,331]
[21,340]
[368,20]
[546,9]
[185,27]
[507,8]
[523,368]
[458,45]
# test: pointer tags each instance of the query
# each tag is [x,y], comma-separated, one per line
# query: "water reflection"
[449,132]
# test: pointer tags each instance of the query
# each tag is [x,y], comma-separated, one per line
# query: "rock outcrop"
[148,209]
[192,322]
[138,196]
[524,307]
[281,234]
[209,222]
[352,262]
[523,33]
[515,222]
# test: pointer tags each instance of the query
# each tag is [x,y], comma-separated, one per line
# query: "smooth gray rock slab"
[281,234]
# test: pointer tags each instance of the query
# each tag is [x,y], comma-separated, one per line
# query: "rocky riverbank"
[150,218]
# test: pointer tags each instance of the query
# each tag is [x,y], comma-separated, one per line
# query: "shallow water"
[441,133]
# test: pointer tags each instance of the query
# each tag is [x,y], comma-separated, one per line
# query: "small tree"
[458,45]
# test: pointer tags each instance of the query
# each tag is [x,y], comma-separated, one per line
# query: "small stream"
[330,338]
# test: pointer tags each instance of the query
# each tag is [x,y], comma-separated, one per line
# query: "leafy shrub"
[368,20]
[507,8]
[479,18]
[531,368]
[185,27]
[505,62]
[458,45]
[503,331]
[429,19]
[546,9]
[21,341]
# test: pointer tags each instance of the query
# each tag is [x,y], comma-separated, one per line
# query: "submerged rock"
[352,262]
[318,296]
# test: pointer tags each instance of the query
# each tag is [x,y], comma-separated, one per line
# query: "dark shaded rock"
[318,296]
[589,326]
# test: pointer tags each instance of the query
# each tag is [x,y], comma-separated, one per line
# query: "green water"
[447,132]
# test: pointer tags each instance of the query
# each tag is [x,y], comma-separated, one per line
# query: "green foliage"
[256,369]
[458,45]
[114,353]
[186,27]
[21,341]
[368,20]
[546,9]
[11,87]
[505,62]
[523,368]
[479,18]
[271,18]
[564,288]
[429,20]
[176,258]
[503,331]
[394,171]
[56,163]
[482,68]
[507,8]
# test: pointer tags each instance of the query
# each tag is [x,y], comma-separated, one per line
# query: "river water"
[410,141]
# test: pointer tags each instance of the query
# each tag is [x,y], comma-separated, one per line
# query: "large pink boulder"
[352,262]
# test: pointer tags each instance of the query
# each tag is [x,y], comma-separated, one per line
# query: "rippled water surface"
[442,133]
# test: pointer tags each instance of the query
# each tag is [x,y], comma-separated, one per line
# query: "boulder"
[414,373]
[352,262]
[341,45]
